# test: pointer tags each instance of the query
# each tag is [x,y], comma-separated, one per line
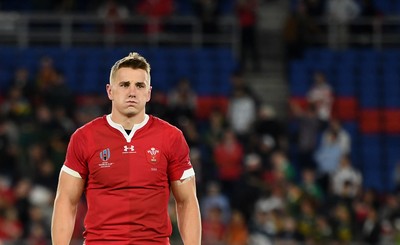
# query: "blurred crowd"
[250,189]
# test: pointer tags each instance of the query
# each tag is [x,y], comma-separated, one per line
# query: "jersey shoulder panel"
[164,125]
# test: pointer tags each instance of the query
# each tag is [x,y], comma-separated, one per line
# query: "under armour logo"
[129,149]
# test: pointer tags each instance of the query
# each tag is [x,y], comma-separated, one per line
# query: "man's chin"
[130,112]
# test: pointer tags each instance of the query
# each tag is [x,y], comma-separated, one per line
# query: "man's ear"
[149,94]
[109,92]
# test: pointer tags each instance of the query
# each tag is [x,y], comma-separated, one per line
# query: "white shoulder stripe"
[187,173]
[71,172]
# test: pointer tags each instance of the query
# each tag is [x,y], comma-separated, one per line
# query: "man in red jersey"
[126,163]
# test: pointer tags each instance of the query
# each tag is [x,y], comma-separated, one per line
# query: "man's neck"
[127,122]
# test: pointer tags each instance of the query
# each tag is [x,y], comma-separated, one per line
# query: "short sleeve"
[179,166]
[76,159]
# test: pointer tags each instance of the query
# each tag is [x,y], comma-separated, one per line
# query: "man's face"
[129,91]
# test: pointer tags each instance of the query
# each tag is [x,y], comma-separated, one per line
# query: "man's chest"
[120,164]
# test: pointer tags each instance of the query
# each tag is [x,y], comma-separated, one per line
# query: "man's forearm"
[189,222]
[63,223]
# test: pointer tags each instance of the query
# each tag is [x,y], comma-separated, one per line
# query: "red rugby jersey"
[128,178]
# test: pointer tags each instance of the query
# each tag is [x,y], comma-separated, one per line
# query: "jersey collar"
[119,127]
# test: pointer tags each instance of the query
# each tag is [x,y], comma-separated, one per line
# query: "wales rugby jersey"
[128,178]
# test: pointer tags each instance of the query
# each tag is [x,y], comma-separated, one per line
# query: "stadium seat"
[392,158]
[206,104]
[391,121]
[372,159]
[369,91]
[347,58]
[345,108]
[299,80]
[370,121]
[391,89]
[345,82]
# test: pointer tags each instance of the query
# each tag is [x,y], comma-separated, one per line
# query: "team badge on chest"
[153,155]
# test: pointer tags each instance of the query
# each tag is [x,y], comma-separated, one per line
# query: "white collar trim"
[119,127]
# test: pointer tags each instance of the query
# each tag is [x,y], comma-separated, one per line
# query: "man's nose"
[132,91]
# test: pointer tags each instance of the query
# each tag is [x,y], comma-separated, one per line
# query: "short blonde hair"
[133,60]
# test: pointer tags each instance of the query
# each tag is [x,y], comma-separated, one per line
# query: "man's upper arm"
[70,187]
[184,189]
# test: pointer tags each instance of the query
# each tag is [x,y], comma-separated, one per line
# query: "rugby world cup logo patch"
[153,155]
[105,154]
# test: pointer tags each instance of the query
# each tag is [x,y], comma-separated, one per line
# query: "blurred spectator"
[346,174]
[214,197]
[228,157]
[272,201]
[320,95]
[310,186]
[45,123]
[242,113]
[306,218]
[340,14]
[8,150]
[263,226]
[328,156]
[112,11]
[39,229]
[267,125]
[16,106]
[281,165]
[343,137]
[34,155]
[57,93]
[250,186]
[390,209]
[307,136]
[208,12]
[23,81]
[157,106]
[63,120]
[154,11]
[215,128]
[21,191]
[324,230]
[181,102]
[371,228]
[370,14]
[212,133]
[46,74]
[288,233]
[87,110]
[294,196]
[236,231]
[238,82]
[298,31]
[11,227]
[246,11]
[342,224]
[191,133]
[196,159]
[46,174]
[213,227]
